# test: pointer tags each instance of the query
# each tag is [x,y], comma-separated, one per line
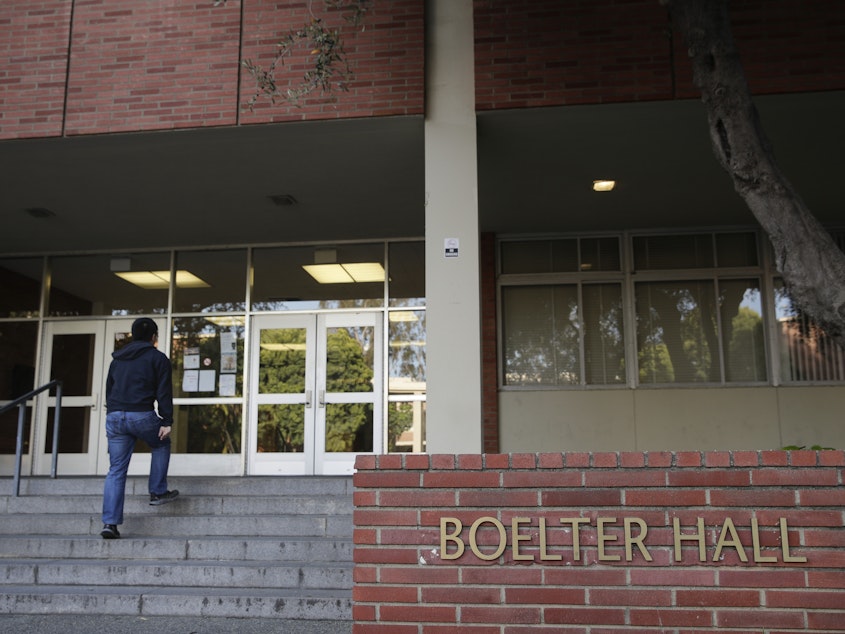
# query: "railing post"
[19,448]
[57,416]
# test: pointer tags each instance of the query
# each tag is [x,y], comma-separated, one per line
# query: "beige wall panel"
[707,419]
[813,416]
[560,420]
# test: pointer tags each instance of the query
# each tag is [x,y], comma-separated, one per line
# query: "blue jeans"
[123,429]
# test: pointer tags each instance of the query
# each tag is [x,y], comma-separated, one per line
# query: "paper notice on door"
[192,358]
[207,380]
[190,380]
[227,385]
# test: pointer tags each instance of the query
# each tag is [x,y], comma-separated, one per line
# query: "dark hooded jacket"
[139,375]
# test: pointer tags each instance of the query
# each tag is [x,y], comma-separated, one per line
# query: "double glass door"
[316,396]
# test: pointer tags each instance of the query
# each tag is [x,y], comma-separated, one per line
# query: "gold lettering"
[576,537]
[453,537]
[755,541]
[784,544]
[518,537]
[544,556]
[728,527]
[473,543]
[604,538]
[699,536]
[638,540]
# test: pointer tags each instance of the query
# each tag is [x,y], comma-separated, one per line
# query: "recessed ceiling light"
[603,185]
[283,200]
[40,212]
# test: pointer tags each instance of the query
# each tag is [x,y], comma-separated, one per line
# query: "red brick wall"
[387,54]
[124,65]
[533,53]
[33,66]
[402,584]
[170,64]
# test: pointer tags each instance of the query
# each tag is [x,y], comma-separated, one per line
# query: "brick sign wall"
[739,541]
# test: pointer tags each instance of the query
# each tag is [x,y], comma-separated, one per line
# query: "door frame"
[84,463]
[314,460]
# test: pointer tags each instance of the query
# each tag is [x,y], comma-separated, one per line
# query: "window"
[566,333]
[695,307]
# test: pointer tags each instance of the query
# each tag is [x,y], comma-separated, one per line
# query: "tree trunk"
[812,266]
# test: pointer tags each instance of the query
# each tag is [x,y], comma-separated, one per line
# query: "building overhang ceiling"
[364,178]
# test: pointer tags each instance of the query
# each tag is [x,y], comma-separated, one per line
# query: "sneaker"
[110,532]
[163,498]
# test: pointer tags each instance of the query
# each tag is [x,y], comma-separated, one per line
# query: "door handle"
[307,398]
[322,398]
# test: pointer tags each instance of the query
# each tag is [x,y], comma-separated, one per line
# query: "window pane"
[742,326]
[406,366]
[406,426]
[211,429]
[600,254]
[806,352]
[207,355]
[676,332]
[17,377]
[407,273]
[604,345]
[349,427]
[539,256]
[673,252]
[736,249]
[280,283]
[20,287]
[217,281]
[17,359]
[541,335]
[91,284]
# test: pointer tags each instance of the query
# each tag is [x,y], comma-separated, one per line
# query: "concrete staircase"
[271,547]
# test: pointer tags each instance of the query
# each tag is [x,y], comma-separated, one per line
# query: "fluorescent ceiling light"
[603,185]
[346,273]
[407,344]
[282,347]
[161,279]
[402,315]
[223,320]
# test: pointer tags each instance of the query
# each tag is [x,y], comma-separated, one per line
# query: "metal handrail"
[20,403]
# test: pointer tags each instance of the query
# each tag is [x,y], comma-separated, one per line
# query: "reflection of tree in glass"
[407,357]
[746,353]
[215,429]
[349,368]
[400,418]
[281,370]
[682,318]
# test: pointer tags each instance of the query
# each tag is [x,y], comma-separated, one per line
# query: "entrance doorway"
[78,354]
[316,395]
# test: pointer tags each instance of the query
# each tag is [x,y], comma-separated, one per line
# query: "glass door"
[73,354]
[316,397]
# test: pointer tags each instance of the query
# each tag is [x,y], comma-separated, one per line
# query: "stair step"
[197,485]
[218,574]
[200,548]
[187,503]
[266,547]
[157,524]
[153,601]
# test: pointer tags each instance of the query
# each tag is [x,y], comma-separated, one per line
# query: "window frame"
[763,273]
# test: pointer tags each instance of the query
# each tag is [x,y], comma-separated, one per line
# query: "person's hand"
[164,432]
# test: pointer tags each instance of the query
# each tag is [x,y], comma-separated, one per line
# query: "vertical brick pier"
[741,541]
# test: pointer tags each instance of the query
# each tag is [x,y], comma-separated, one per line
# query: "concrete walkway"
[103,624]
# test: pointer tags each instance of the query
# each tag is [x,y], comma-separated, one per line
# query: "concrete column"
[453,321]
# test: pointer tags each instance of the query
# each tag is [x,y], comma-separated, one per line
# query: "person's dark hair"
[143,329]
